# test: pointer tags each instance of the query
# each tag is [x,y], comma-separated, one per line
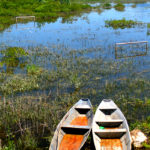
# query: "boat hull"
[74,129]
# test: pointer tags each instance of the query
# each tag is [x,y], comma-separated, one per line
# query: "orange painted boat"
[74,129]
[110,128]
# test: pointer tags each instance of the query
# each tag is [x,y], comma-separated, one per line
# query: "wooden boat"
[110,129]
[74,129]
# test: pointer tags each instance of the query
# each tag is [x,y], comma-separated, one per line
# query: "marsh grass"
[30,121]
[33,102]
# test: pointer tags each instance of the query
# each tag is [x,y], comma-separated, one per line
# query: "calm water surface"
[85,32]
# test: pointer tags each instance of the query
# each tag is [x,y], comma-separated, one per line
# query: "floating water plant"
[107,6]
[148,29]
[119,7]
[133,6]
[123,23]
[12,58]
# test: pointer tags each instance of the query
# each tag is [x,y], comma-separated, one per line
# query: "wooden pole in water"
[132,42]
[115,51]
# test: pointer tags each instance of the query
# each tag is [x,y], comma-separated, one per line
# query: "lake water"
[86,32]
[124,71]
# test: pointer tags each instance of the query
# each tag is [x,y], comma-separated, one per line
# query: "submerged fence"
[25,18]
[131,49]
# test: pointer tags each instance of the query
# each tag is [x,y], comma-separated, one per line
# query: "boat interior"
[75,126]
[110,128]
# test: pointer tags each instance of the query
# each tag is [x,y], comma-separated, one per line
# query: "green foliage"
[123,23]
[10,142]
[10,146]
[27,140]
[142,125]
[33,70]
[119,7]
[107,6]
[146,145]
[148,25]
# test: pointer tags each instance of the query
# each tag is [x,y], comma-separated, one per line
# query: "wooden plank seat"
[108,111]
[110,133]
[75,129]
[83,109]
[110,123]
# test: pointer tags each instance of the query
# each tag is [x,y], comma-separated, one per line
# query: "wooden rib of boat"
[110,129]
[74,129]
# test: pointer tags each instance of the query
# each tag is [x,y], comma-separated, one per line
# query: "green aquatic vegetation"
[107,6]
[133,6]
[18,83]
[148,28]
[148,25]
[12,58]
[119,7]
[33,70]
[34,99]
[123,23]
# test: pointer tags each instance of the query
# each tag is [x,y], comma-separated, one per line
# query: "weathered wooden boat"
[110,129]
[74,129]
